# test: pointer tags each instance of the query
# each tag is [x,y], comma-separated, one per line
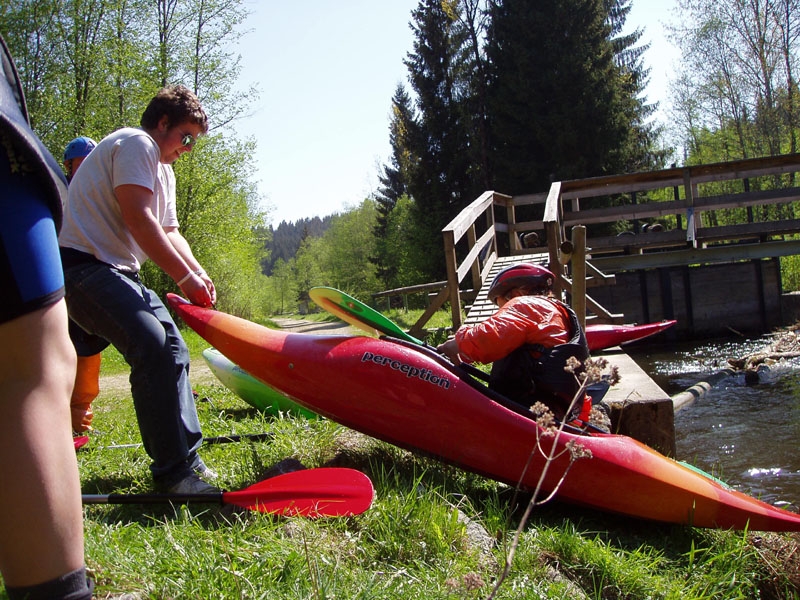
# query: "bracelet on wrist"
[186,277]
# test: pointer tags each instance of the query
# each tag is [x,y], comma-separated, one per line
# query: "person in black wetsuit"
[41,520]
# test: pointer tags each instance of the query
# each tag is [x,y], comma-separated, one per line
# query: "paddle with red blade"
[323,492]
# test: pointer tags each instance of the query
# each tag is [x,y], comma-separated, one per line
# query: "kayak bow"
[603,336]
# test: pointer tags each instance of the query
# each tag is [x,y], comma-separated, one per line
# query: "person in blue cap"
[88,347]
[77,150]
[41,519]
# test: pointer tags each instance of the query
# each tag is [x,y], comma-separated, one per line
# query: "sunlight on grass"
[434,531]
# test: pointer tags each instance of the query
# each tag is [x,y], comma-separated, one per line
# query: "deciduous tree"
[90,66]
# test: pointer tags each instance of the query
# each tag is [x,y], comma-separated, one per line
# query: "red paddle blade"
[80,441]
[324,492]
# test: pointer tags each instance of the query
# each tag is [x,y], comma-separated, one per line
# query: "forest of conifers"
[500,94]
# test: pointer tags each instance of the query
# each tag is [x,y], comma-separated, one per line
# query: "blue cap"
[79,148]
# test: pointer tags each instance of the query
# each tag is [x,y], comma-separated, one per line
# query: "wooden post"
[691,224]
[676,195]
[452,278]
[475,269]
[579,273]
[552,227]
[511,217]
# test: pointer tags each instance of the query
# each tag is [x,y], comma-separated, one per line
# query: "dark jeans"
[117,307]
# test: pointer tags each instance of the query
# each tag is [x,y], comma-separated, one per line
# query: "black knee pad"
[72,586]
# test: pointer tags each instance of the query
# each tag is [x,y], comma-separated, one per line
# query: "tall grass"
[434,531]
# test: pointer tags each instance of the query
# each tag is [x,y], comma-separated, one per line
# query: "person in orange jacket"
[528,341]
[87,375]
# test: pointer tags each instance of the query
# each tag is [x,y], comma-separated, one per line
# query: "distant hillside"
[287,237]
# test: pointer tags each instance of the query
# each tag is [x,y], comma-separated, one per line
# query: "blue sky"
[327,72]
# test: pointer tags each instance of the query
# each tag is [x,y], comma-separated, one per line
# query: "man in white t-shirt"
[121,211]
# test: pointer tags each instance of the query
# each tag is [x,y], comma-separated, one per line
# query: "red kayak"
[602,336]
[413,398]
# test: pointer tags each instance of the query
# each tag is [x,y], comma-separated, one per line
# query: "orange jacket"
[522,320]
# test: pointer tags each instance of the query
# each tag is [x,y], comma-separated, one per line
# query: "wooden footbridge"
[691,243]
[734,213]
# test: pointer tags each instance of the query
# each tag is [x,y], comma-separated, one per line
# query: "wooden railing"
[482,247]
[688,202]
[684,201]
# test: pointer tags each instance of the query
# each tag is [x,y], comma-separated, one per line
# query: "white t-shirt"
[92,217]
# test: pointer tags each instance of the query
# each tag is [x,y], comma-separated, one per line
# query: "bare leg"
[41,521]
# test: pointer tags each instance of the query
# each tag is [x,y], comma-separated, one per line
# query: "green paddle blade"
[358,314]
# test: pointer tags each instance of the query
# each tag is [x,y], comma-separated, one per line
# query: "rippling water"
[746,435]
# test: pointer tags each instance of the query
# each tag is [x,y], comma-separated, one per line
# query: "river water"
[747,435]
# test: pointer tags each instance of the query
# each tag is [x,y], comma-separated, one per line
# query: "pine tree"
[511,98]
[440,151]
[440,181]
[472,76]
[642,151]
[563,93]
[402,132]
[394,183]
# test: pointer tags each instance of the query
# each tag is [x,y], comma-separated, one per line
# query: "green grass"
[418,540]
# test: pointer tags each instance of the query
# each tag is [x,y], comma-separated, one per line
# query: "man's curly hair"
[179,104]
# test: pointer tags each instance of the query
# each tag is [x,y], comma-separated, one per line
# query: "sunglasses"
[188,140]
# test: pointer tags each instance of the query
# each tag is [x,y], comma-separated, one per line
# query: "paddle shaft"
[357,313]
[214,498]
[367,318]
[221,439]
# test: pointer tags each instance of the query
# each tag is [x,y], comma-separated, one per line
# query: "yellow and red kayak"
[410,397]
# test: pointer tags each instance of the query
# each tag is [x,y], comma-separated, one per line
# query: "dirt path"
[326,328]
[202,375]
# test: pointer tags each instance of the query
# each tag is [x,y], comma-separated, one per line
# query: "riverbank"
[433,531]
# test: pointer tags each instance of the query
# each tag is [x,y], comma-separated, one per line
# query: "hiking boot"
[192,484]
